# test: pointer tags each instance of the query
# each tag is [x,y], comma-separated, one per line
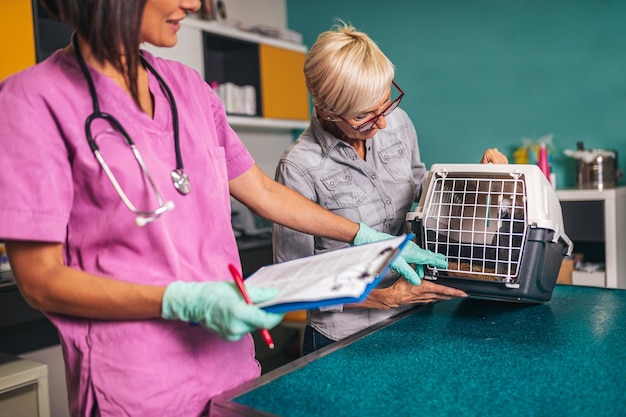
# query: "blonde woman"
[360,159]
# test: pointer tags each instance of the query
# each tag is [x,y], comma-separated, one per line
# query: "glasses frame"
[363,127]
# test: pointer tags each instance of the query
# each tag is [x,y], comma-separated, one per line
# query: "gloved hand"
[410,254]
[219,307]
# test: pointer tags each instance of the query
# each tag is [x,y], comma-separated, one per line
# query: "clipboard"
[341,276]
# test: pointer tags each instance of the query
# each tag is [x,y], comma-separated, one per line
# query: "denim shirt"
[377,191]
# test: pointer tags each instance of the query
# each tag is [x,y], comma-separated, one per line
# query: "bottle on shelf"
[543,163]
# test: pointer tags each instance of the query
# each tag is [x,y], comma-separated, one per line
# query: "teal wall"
[487,73]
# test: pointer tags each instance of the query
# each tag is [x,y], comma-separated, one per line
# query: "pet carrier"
[500,227]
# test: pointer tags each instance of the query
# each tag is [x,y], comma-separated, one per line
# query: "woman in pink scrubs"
[126,299]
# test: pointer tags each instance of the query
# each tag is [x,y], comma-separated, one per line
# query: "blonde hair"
[346,72]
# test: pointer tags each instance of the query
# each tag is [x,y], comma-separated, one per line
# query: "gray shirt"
[377,191]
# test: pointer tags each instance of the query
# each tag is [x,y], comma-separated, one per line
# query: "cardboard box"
[565,273]
[567,267]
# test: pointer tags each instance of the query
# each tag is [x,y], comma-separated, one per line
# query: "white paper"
[330,275]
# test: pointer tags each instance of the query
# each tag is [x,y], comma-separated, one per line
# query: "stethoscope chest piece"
[181,181]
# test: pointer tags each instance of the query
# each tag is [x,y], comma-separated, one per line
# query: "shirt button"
[332,183]
[387,201]
[348,177]
[386,157]
[373,176]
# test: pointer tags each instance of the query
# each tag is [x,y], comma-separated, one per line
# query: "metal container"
[598,170]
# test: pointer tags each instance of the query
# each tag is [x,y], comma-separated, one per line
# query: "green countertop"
[463,358]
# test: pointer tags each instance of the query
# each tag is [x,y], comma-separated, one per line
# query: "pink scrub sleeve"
[36,183]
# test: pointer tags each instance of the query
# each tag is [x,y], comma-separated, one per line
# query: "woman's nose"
[381,123]
[191,5]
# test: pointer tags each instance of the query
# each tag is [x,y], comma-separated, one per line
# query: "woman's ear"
[322,114]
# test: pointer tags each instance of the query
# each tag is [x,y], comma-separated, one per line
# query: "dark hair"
[111,27]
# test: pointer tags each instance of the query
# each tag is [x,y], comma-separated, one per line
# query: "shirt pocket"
[343,189]
[395,159]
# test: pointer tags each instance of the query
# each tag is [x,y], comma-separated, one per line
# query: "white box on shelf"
[589,278]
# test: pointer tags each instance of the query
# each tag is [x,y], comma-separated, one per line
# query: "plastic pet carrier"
[500,227]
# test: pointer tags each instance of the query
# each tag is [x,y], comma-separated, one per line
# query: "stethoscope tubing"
[142,217]
[98,114]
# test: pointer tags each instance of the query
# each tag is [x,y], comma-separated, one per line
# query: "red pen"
[242,288]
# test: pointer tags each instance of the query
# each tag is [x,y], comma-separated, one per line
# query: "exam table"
[468,357]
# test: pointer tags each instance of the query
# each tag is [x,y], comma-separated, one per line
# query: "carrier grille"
[479,223]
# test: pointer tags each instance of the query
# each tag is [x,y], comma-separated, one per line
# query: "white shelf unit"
[23,388]
[613,224]
[189,50]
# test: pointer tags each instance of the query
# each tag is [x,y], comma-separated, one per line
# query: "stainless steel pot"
[597,168]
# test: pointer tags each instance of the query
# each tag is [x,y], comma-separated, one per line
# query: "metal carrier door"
[479,223]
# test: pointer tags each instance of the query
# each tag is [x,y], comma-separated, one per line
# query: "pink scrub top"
[53,189]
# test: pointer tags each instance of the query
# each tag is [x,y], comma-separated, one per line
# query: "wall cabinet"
[595,220]
[224,54]
[17,37]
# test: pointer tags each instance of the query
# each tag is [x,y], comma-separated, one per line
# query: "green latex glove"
[219,307]
[411,254]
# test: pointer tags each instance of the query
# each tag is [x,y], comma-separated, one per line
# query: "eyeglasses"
[363,127]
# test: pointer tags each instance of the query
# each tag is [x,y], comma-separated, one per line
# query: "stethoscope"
[180,179]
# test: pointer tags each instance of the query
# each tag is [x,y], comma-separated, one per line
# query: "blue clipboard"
[380,272]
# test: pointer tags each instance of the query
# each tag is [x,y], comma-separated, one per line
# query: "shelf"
[222,29]
[576,194]
[221,53]
[596,221]
[23,387]
[266,124]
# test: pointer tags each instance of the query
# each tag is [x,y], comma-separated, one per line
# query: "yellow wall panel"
[17,37]
[283,90]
